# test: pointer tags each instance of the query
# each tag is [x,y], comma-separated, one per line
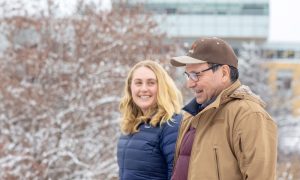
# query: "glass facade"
[231,19]
[209,8]
[229,26]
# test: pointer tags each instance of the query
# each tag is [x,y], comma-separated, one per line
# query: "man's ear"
[225,70]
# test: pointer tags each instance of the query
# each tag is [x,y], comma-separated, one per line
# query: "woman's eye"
[151,83]
[138,83]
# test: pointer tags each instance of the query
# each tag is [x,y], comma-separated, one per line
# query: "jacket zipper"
[217,162]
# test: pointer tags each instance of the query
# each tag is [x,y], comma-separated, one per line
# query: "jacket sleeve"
[255,146]
[168,141]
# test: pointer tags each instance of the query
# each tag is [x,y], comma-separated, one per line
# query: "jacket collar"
[234,91]
[194,108]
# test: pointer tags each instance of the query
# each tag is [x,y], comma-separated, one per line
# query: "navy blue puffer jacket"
[148,154]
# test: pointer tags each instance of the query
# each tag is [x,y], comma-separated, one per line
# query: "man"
[226,133]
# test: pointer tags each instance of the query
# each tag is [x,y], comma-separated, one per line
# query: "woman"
[150,118]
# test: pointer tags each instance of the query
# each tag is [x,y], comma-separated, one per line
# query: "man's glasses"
[194,76]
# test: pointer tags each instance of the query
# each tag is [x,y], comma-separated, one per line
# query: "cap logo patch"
[192,48]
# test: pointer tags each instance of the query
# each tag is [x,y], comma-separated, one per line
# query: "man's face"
[209,83]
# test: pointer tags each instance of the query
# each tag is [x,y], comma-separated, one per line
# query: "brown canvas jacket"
[236,139]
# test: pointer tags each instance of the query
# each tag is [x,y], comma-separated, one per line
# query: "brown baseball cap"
[208,50]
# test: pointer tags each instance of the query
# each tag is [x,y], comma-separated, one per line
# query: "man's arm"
[255,146]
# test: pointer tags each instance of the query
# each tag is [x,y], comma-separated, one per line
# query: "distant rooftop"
[284,46]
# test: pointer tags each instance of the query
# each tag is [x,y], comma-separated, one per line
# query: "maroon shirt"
[182,163]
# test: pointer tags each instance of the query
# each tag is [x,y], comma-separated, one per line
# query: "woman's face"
[144,88]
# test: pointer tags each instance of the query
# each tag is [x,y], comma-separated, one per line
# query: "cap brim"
[184,60]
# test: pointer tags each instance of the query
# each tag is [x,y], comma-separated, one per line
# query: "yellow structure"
[284,78]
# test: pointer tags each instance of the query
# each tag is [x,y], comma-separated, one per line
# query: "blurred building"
[234,20]
[284,78]
[283,62]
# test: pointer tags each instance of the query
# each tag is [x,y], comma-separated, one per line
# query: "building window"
[269,54]
[290,54]
[284,83]
[210,8]
[171,10]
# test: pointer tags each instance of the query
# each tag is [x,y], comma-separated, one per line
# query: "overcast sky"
[285,20]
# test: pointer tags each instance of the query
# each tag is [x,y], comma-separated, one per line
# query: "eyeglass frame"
[194,76]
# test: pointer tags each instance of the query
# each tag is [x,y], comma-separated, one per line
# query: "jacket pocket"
[217,161]
[242,157]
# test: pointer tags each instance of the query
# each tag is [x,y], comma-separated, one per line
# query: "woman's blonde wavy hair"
[169,100]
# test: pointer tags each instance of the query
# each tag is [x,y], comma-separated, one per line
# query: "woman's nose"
[144,87]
